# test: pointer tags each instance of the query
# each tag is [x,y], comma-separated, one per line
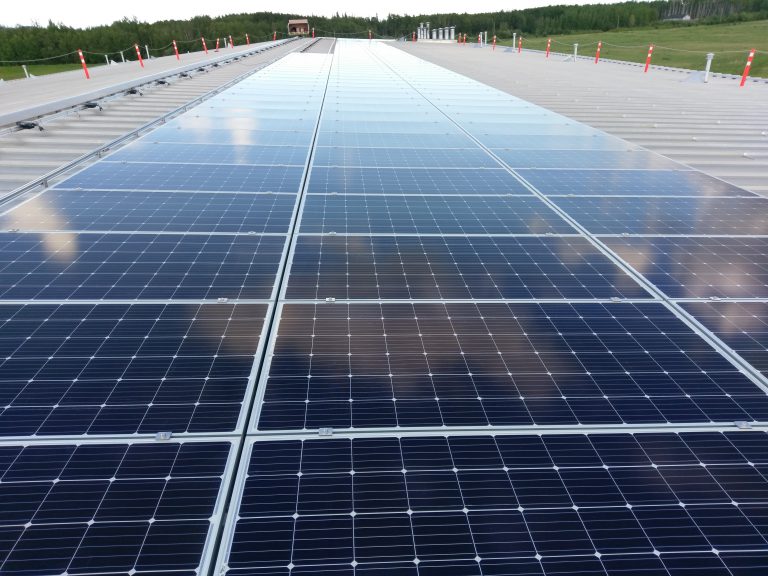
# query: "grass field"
[683,47]
[14,72]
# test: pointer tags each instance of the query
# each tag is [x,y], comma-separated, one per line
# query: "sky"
[79,14]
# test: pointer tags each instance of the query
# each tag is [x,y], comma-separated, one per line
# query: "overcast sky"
[79,13]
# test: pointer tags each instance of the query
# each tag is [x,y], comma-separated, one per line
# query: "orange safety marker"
[138,53]
[465,38]
[413,37]
[369,35]
[746,68]
[597,54]
[247,40]
[82,61]
[217,45]
[494,41]
[231,44]
[520,45]
[175,49]
[648,59]
[313,32]
[549,44]
[274,35]
[204,46]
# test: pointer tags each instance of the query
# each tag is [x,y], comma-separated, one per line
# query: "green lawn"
[13,72]
[683,47]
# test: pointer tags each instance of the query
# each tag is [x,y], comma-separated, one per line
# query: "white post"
[26,72]
[485,38]
[710,56]
[575,51]
[107,59]
[514,40]
[146,48]
[122,57]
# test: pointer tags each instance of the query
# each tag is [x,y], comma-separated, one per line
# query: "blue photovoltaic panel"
[149,150]
[188,177]
[579,504]
[302,122]
[430,215]
[454,267]
[699,267]
[743,326]
[357,180]
[628,183]
[512,141]
[387,365]
[404,157]
[489,125]
[395,124]
[64,265]
[392,140]
[120,369]
[108,508]
[595,160]
[237,136]
[124,211]
[668,215]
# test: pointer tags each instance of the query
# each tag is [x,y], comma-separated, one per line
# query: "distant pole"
[176,50]
[313,32]
[82,62]
[274,35]
[747,67]
[106,57]
[549,45]
[217,44]
[369,36]
[514,39]
[494,42]
[648,59]
[710,56]
[26,72]
[520,44]
[146,48]
[231,44]
[575,51]
[122,57]
[597,54]
[205,48]
[247,40]
[138,53]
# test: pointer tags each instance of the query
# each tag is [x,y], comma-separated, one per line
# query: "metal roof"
[717,127]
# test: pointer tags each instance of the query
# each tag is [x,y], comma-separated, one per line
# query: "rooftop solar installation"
[392,321]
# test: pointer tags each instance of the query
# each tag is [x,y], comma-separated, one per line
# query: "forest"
[47,43]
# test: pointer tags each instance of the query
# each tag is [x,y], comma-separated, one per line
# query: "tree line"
[27,43]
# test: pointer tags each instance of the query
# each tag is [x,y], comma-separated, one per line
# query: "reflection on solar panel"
[109,508]
[341,245]
[454,267]
[120,369]
[363,366]
[477,505]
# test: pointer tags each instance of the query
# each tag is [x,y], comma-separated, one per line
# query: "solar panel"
[232,136]
[628,183]
[404,157]
[743,326]
[121,211]
[429,215]
[665,216]
[455,267]
[414,181]
[188,177]
[404,365]
[630,159]
[157,151]
[699,267]
[502,505]
[67,266]
[94,508]
[74,369]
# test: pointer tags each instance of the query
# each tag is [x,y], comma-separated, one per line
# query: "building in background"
[298,27]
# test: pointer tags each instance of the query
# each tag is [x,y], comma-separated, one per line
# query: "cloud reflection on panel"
[59,246]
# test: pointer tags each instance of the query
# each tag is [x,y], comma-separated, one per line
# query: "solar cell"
[455,267]
[232,136]
[389,365]
[413,181]
[123,211]
[596,141]
[631,159]
[300,122]
[65,265]
[741,325]
[392,140]
[188,177]
[404,157]
[628,183]
[430,215]
[699,267]
[498,505]
[150,150]
[109,508]
[668,215]
[76,369]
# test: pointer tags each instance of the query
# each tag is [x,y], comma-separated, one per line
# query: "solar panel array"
[395,322]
